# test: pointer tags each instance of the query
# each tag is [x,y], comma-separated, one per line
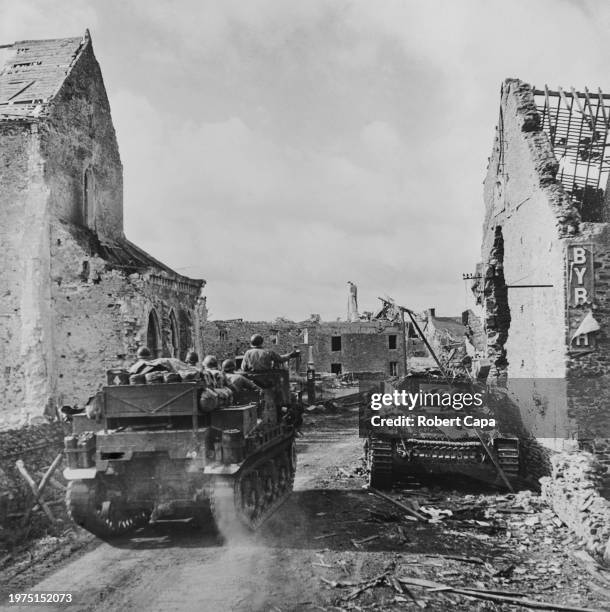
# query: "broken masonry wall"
[364,345]
[446,336]
[101,315]
[560,385]
[475,331]
[82,163]
[526,207]
[572,491]
[527,216]
[527,220]
[88,318]
[25,325]
[231,338]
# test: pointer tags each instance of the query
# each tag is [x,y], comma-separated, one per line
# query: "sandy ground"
[332,536]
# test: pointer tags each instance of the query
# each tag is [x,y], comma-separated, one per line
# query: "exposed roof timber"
[551,93]
[578,126]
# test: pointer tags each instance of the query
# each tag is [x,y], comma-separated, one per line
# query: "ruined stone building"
[446,335]
[361,344]
[338,347]
[77,296]
[543,282]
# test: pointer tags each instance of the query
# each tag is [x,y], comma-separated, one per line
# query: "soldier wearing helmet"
[144,357]
[192,358]
[237,382]
[211,372]
[257,358]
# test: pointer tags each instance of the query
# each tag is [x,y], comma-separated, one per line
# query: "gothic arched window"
[153,335]
[186,336]
[174,338]
[88,213]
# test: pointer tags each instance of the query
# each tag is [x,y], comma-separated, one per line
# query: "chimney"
[352,303]
[431,313]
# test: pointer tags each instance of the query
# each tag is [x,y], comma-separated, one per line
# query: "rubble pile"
[438,548]
[572,492]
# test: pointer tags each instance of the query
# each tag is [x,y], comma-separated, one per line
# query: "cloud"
[31,19]
[279,149]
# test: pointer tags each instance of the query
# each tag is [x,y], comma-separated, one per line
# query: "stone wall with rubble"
[572,490]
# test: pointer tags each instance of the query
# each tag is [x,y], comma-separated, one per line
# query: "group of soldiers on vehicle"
[255,359]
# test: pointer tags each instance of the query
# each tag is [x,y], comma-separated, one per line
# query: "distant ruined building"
[77,296]
[360,345]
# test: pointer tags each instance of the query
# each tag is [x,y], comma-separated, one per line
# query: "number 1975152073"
[39,598]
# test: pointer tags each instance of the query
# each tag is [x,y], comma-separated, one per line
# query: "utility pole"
[311,378]
[405,339]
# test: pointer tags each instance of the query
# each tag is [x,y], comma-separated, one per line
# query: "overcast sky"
[280,148]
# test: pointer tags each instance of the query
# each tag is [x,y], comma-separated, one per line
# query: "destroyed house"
[77,296]
[543,283]
[339,347]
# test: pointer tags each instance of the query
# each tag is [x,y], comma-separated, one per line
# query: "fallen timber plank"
[516,599]
[406,509]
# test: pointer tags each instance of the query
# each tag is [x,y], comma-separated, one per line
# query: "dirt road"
[332,532]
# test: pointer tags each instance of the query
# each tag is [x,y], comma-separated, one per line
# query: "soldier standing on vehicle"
[257,358]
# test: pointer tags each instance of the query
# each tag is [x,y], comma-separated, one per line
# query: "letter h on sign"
[580,274]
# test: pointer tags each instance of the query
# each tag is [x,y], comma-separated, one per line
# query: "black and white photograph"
[304,305]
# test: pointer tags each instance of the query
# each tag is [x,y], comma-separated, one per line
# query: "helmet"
[144,353]
[256,340]
[210,362]
[192,357]
[228,365]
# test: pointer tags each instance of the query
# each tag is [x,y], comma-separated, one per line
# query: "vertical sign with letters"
[580,274]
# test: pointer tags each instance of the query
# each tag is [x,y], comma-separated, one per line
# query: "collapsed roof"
[577,125]
[32,72]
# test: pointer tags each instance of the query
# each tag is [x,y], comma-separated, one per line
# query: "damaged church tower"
[77,296]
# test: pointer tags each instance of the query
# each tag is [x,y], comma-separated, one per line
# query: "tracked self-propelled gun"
[432,439]
[181,449]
